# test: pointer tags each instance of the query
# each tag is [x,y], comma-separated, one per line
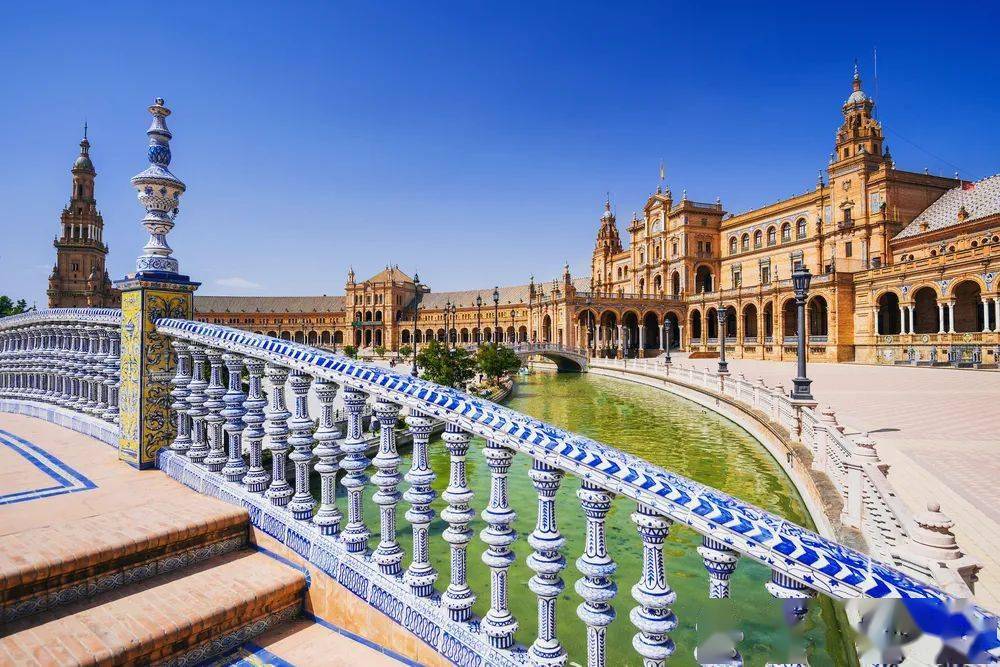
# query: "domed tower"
[860,135]
[78,278]
[608,245]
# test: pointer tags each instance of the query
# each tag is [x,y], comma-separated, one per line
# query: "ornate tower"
[860,136]
[608,245]
[79,277]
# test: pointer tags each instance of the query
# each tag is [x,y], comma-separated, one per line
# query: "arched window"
[757,239]
[786,232]
[745,242]
[800,228]
[771,236]
[732,246]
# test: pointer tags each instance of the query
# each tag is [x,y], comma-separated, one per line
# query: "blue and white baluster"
[89,370]
[794,597]
[720,561]
[458,598]
[498,624]
[256,478]
[355,535]
[276,427]
[97,372]
[653,617]
[420,575]
[302,503]
[327,452]
[596,587]
[79,369]
[196,405]
[112,375]
[547,562]
[216,458]
[235,468]
[180,392]
[388,554]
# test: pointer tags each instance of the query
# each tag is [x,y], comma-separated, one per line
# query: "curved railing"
[67,360]
[224,427]
[802,563]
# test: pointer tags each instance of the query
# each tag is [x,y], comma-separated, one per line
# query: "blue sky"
[473,142]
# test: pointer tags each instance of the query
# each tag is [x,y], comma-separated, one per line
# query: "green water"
[670,432]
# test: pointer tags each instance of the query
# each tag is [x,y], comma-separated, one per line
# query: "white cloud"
[236,282]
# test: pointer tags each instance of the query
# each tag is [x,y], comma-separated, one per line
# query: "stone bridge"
[566,358]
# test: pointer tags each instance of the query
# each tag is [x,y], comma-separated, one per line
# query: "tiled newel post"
[156,290]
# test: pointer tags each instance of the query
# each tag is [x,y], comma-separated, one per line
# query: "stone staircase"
[176,586]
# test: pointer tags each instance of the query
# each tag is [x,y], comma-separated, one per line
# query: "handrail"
[111,316]
[820,563]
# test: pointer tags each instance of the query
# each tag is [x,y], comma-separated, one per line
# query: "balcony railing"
[223,428]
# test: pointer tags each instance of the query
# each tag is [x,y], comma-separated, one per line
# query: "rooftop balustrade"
[224,427]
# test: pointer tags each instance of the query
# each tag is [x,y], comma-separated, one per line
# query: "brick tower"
[79,278]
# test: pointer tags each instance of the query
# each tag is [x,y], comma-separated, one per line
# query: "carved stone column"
[302,503]
[256,478]
[388,554]
[596,587]
[196,406]
[499,624]
[653,617]
[328,516]
[420,575]
[216,457]
[180,392]
[276,427]
[235,468]
[547,562]
[355,535]
[458,598]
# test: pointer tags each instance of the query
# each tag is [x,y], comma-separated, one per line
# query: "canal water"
[675,434]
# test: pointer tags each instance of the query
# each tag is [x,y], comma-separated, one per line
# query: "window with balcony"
[800,228]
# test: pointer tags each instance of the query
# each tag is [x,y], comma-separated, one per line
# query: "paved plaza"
[937,428]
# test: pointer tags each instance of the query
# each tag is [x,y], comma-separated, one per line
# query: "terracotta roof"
[980,200]
[390,273]
[268,304]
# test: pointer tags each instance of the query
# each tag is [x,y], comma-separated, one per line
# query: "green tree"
[405,351]
[9,307]
[379,351]
[496,361]
[443,365]
[351,351]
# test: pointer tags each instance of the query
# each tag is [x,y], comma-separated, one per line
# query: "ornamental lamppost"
[418,295]
[800,283]
[723,366]
[453,333]
[666,339]
[447,327]
[496,313]
[479,319]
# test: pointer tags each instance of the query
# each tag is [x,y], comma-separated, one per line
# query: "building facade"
[79,277]
[901,263]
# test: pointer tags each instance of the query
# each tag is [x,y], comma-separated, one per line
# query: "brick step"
[56,564]
[179,618]
[303,642]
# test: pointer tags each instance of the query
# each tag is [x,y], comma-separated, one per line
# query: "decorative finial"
[159,193]
[819,178]
[684,194]
[84,129]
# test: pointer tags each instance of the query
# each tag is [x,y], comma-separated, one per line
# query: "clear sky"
[471,141]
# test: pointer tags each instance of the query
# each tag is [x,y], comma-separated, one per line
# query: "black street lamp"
[496,314]
[418,295]
[453,332]
[447,327]
[723,366]
[800,283]
[479,319]
[667,326]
